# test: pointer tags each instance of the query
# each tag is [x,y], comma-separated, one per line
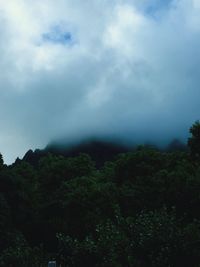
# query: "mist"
[114,69]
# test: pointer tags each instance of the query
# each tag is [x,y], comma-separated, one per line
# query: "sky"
[73,69]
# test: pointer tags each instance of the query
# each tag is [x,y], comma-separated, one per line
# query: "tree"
[1,161]
[194,140]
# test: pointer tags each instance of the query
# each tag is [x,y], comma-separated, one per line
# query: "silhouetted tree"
[1,161]
[194,140]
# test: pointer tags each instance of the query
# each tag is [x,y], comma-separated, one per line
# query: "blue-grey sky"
[123,68]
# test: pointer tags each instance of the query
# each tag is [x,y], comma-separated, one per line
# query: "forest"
[138,208]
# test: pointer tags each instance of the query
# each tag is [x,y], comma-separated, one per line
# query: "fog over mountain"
[72,69]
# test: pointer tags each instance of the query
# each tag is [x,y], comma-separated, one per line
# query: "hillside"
[139,209]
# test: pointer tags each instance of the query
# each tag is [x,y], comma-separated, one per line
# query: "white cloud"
[132,70]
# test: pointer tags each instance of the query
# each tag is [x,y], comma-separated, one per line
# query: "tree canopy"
[142,208]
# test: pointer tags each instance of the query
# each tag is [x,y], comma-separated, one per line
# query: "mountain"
[100,151]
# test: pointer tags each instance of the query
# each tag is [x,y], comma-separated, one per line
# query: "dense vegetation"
[141,209]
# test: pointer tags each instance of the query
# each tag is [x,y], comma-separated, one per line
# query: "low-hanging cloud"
[128,69]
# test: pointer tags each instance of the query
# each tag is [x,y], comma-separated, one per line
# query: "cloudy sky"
[74,69]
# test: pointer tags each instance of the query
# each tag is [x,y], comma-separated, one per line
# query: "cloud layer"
[76,68]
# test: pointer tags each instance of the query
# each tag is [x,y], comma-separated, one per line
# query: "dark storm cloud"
[126,69]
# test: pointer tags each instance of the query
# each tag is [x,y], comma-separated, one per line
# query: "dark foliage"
[142,208]
[194,140]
